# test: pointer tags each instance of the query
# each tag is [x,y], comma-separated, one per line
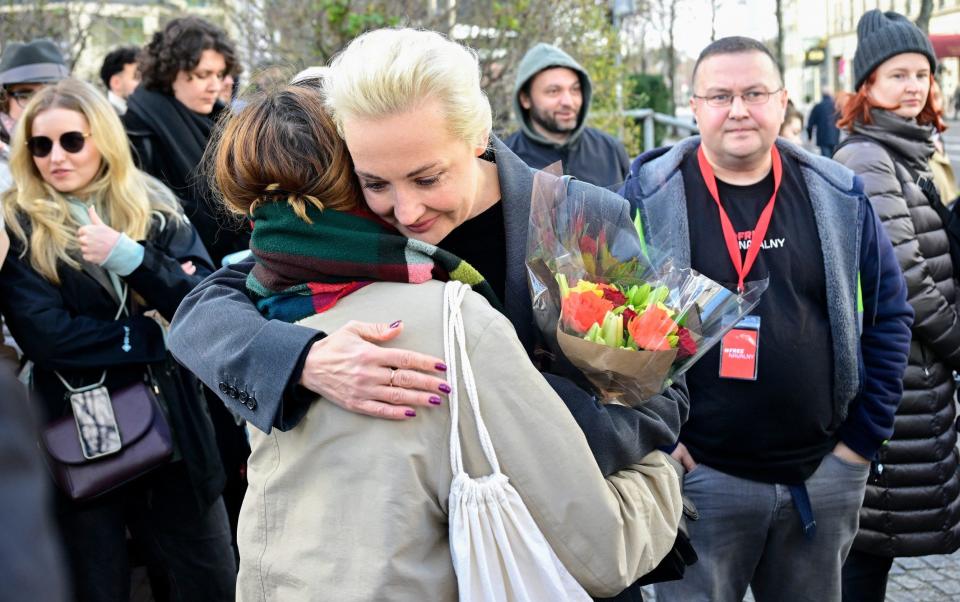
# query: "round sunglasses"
[71,142]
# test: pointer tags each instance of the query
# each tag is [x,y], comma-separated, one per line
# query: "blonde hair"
[124,195]
[389,71]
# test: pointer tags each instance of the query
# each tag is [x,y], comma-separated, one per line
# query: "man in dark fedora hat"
[27,67]
[24,69]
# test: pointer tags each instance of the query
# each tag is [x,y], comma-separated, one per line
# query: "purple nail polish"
[441,366]
[435,400]
[396,324]
[410,413]
[444,388]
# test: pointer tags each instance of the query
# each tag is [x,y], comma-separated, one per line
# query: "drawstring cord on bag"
[453,337]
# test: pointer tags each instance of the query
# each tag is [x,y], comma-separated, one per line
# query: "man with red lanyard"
[788,411]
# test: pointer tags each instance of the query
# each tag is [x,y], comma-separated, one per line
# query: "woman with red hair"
[912,502]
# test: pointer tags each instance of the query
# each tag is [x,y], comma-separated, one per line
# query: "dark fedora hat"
[35,62]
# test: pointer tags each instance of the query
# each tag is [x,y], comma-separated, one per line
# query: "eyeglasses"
[71,142]
[754,97]
[22,97]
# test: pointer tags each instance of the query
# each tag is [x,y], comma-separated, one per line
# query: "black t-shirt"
[778,428]
[482,242]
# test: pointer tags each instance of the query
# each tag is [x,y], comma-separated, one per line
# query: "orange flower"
[583,310]
[650,329]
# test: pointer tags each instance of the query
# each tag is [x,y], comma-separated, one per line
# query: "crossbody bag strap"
[71,389]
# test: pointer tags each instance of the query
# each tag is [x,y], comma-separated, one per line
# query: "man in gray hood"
[551,100]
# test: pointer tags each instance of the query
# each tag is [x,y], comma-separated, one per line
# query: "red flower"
[583,310]
[588,245]
[686,346]
[650,329]
[628,314]
[613,295]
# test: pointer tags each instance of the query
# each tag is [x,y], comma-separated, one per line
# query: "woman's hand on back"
[96,239]
[350,369]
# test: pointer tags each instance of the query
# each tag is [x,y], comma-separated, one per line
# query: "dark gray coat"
[912,503]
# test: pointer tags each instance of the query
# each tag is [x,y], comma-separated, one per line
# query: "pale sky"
[753,18]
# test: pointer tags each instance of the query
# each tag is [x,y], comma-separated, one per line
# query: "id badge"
[739,350]
[96,422]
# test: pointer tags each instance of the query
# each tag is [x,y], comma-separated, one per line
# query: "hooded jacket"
[588,154]
[912,503]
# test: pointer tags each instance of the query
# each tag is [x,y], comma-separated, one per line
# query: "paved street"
[926,579]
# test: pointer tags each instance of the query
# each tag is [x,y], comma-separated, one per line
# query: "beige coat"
[350,508]
[943,177]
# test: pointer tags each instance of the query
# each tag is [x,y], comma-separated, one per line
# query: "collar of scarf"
[183,134]
[306,268]
[912,141]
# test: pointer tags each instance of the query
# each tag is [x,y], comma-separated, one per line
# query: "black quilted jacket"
[912,503]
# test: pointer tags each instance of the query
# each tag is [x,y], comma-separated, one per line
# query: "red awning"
[946,45]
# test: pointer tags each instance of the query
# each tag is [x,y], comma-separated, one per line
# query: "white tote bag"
[499,553]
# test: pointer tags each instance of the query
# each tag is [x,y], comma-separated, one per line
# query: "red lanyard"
[742,266]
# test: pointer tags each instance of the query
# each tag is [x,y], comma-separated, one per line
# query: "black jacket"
[71,329]
[169,141]
[823,118]
[593,157]
[912,502]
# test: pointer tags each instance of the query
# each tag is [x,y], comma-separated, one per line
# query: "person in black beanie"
[170,117]
[912,501]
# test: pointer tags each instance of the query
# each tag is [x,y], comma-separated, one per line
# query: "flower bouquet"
[630,324]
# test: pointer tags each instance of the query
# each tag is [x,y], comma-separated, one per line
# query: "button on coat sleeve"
[219,335]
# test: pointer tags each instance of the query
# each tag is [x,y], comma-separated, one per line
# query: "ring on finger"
[393,372]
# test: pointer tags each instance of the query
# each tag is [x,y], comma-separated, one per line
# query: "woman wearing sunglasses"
[96,244]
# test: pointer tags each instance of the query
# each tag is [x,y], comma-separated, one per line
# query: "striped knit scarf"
[304,269]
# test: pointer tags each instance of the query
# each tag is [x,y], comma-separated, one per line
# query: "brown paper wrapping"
[622,375]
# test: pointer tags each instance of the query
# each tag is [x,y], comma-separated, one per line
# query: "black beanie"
[881,35]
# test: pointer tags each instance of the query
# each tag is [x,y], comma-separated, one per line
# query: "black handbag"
[110,437]
[145,443]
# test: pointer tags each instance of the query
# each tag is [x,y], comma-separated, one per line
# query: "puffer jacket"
[912,503]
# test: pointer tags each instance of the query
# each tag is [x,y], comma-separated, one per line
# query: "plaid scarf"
[304,269]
